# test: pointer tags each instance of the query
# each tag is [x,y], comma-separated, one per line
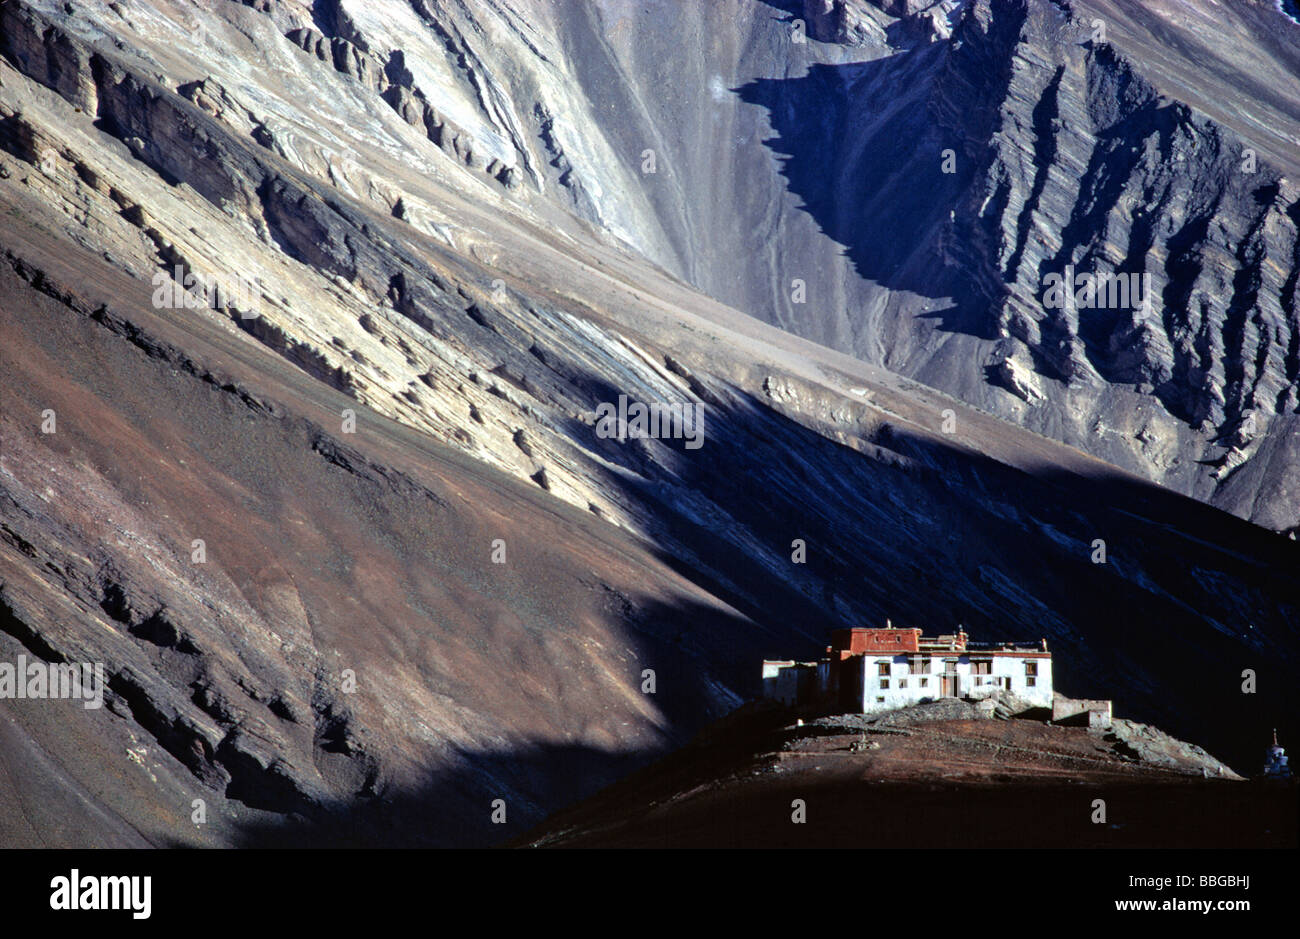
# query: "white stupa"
[1276,764]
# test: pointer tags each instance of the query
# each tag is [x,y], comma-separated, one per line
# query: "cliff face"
[469,226]
[1090,167]
[898,181]
[923,182]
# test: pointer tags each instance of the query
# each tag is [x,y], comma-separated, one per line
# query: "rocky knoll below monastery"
[946,774]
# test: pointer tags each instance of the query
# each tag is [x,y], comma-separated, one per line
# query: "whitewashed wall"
[906,688]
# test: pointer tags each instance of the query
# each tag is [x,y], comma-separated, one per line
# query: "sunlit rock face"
[339,290]
[896,181]
[899,185]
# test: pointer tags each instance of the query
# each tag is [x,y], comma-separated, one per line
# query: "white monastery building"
[870,670]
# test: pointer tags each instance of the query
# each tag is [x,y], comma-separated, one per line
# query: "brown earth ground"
[943,784]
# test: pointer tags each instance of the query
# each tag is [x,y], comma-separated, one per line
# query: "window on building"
[880,700]
[919,665]
[981,667]
[1031,668]
[925,683]
[884,683]
[902,682]
[1031,681]
[883,667]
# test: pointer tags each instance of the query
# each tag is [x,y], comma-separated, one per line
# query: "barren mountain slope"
[412,268]
[228,677]
[898,185]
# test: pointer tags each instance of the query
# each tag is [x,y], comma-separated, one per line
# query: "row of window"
[1030,681]
[922,667]
[884,684]
[902,683]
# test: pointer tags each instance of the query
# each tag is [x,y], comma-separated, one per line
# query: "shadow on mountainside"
[911,526]
[929,534]
[865,148]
